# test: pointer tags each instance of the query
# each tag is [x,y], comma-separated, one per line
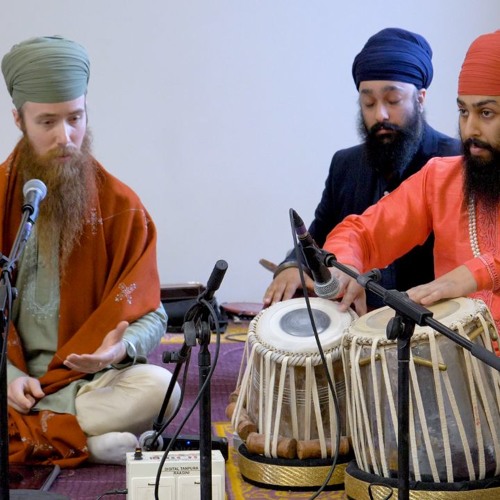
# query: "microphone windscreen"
[35,185]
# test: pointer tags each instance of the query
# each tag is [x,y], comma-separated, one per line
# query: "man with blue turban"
[457,198]
[88,309]
[392,73]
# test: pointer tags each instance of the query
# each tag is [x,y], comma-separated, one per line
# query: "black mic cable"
[308,240]
[326,285]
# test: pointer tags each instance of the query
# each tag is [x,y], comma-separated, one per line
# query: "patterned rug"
[224,379]
[91,482]
[238,489]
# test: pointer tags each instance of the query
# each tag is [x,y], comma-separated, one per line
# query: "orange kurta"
[430,200]
[112,276]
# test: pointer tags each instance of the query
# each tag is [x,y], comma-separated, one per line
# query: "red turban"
[480,74]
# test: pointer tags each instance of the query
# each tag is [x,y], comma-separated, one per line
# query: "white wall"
[224,114]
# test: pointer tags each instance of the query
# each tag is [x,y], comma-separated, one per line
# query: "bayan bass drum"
[454,397]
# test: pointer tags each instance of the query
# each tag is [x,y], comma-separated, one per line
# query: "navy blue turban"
[397,55]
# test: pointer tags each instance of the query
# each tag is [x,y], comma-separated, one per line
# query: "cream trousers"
[127,400]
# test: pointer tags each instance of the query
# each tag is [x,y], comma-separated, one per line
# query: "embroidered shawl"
[111,276]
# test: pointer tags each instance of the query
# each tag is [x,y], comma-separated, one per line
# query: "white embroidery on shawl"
[13,342]
[44,420]
[125,292]
[37,447]
[40,446]
[94,221]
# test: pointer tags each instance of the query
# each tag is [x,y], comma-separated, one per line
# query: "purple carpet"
[91,481]
[223,383]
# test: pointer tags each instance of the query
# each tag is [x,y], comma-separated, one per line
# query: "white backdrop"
[224,114]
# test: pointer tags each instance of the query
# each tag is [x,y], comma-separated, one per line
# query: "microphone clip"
[321,255]
[326,258]
[372,275]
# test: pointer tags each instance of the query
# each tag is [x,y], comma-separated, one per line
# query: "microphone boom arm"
[409,309]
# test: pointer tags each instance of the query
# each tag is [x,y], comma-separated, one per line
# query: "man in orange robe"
[457,198]
[88,311]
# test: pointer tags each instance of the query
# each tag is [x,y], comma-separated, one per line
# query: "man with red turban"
[88,309]
[458,198]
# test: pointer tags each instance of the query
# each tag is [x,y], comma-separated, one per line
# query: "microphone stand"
[7,295]
[4,435]
[407,314]
[205,411]
[196,326]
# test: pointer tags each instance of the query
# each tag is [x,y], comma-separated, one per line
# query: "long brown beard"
[71,192]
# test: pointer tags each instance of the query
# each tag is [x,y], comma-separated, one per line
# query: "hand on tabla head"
[457,283]
[351,293]
[284,286]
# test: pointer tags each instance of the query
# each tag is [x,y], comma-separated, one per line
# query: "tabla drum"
[454,397]
[283,409]
[282,391]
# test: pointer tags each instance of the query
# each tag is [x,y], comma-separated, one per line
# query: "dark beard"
[71,191]
[389,157]
[482,177]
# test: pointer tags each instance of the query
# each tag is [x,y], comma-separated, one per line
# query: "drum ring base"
[357,483]
[290,474]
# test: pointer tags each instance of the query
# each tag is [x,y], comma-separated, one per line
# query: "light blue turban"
[46,70]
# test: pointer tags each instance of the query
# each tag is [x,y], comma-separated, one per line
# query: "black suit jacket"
[353,185]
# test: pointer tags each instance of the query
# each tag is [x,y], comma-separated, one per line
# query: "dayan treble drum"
[454,397]
[282,392]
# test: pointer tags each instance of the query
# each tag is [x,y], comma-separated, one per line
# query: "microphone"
[215,279]
[34,192]
[326,286]
[213,284]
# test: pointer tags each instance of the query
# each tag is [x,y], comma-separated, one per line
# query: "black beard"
[396,154]
[482,177]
